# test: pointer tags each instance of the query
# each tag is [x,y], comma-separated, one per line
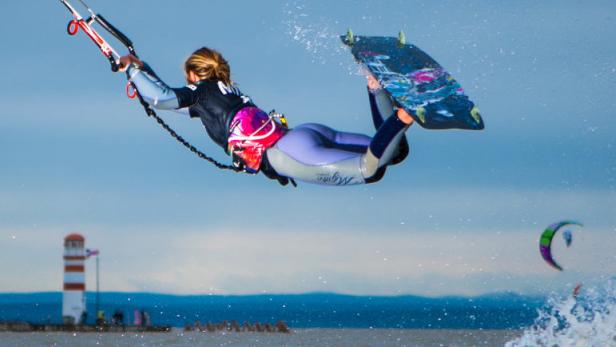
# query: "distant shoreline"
[26,327]
[315,310]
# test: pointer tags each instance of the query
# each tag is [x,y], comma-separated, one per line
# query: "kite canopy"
[545,242]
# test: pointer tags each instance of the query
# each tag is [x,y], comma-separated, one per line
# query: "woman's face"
[191,77]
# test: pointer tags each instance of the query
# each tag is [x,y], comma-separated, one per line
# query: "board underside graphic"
[416,82]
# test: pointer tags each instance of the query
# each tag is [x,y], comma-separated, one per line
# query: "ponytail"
[208,64]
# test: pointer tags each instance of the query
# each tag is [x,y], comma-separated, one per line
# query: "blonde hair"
[208,64]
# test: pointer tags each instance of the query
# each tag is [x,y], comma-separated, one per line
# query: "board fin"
[401,38]
[476,114]
[349,39]
[421,114]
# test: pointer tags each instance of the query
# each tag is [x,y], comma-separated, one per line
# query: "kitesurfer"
[310,152]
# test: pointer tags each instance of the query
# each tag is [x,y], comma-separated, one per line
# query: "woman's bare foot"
[404,116]
[373,83]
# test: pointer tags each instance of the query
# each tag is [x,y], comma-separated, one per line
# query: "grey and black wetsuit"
[309,152]
[318,154]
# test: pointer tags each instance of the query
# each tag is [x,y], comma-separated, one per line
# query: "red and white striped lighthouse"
[73,298]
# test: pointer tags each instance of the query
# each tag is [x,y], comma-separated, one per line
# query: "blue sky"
[461,216]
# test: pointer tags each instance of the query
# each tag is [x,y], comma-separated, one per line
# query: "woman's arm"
[153,90]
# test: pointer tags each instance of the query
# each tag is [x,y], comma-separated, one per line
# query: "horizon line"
[315,293]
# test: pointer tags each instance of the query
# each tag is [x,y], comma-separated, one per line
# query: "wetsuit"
[309,152]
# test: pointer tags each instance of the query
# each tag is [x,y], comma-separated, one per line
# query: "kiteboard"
[416,82]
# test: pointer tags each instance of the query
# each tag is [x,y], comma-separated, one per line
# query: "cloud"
[239,261]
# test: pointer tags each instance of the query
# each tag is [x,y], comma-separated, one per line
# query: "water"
[300,337]
[589,320]
[318,35]
[502,311]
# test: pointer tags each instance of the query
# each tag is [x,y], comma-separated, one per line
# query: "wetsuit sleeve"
[157,93]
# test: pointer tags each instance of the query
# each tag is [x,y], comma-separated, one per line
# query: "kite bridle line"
[114,60]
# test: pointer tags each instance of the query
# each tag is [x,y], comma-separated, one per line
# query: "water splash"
[318,35]
[589,320]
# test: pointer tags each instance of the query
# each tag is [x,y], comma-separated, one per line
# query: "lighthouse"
[73,298]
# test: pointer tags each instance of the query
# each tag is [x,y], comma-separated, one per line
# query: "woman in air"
[257,142]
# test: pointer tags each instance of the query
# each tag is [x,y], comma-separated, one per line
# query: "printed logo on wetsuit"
[335,179]
[232,89]
[192,87]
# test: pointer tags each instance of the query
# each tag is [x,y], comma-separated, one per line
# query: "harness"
[251,133]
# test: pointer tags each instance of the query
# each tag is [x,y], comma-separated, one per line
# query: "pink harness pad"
[252,132]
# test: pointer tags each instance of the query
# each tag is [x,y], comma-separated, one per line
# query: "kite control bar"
[86,26]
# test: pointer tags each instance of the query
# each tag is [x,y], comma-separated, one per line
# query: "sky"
[461,216]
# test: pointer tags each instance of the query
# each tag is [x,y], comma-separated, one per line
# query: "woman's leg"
[381,106]
[318,154]
[332,136]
